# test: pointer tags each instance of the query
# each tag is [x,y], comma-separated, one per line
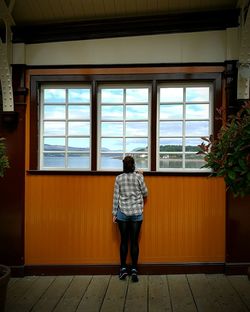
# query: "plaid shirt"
[129,191]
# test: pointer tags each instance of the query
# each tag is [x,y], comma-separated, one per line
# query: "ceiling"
[36,21]
[30,12]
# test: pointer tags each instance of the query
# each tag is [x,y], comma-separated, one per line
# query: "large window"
[92,126]
[123,125]
[65,127]
[184,116]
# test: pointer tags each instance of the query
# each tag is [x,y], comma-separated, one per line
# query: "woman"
[129,193]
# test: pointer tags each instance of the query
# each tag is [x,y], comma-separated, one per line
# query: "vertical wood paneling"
[68,220]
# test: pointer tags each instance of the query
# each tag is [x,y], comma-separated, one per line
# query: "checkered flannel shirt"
[129,191]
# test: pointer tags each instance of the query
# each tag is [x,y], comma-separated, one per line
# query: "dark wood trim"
[159,268]
[129,26]
[95,79]
[153,125]
[237,268]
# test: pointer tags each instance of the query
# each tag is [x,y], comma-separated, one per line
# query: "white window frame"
[99,104]
[66,120]
[210,119]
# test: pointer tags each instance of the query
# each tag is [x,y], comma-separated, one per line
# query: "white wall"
[209,46]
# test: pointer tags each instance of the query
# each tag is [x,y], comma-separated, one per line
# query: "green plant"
[4,163]
[229,154]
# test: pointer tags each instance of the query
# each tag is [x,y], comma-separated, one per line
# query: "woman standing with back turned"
[129,193]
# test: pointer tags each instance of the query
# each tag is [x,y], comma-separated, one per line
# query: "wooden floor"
[178,293]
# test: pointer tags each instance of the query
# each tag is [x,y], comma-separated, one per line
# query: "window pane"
[192,144]
[79,112]
[170,145]
[194,161]
[112,95]
[109,112]
[112,129]
[55,160]
[54,128]
[112,145]
[78,160]
[78,128]
[171,111]
[141,160]
[54,111]
[138,95]
[136,112]
[197,111]
[54,96]
[79,144]
[197,94]
[136,145]
[170,160]
[111,161]
[138,128]
[170,128]
[197,128]
[54,144]
[79,95]
[171,95]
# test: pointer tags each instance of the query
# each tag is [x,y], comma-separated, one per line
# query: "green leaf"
[232,175]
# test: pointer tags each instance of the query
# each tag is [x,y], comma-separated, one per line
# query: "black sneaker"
[123,274]
[134,276]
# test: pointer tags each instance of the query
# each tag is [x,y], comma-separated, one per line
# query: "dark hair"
[128,164]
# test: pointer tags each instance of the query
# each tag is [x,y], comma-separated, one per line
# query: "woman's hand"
[139,171]
[114,219]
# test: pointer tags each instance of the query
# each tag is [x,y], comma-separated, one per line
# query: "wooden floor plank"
[72,297]
[93,297]
[241,285]
[115,296]
[53,294]
[136,299]
[18,289]
[29,299]
[158,294]
[226,294]
[180,294]
[204,296]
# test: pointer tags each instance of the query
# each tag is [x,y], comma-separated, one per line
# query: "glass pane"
[54,128]
[112,145]
[138,95]
[192,144]
[54,96]
[136,145]
[197,128]
[171,95]
[79,95]
[109,112]
[111,95]
[170,145]
[113,129]
[141,160]
[78,128]
[54,144]
[170,160]
[54,111]
[171,111]
[136,112]
[111,161]
[194,161]
[79,111]
[55,160]
[78,160]
[197,94]
[197,111]
[138,128]
[79,144]
[170,128]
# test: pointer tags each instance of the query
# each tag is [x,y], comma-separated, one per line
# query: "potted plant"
[4,270]
[228,155]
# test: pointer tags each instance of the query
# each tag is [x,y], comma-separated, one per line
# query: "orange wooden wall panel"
[68,220]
